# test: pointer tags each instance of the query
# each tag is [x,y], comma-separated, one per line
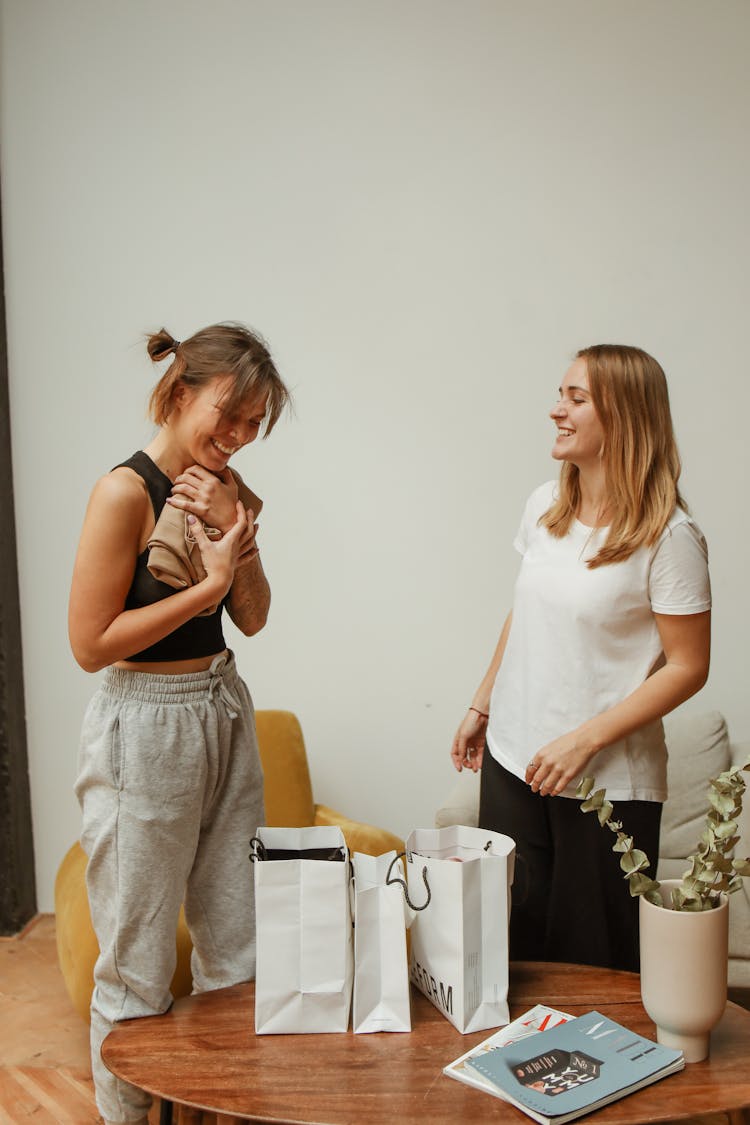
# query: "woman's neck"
[164,453]
[593,509]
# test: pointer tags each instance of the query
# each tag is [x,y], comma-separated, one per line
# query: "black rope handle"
[257,849]
[390,881]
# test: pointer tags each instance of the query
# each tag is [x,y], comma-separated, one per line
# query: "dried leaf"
[640,884]
[722,863]
[595,801]
[634,860]
[722,802]
[605,812]
[725,783]
[689,901]
[726,828]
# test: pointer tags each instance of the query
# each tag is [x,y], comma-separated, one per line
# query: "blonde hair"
[641,462]
[221,349]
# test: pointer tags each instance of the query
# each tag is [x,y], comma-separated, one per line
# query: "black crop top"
[201,636]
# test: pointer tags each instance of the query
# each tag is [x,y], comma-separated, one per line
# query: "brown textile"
[174,557]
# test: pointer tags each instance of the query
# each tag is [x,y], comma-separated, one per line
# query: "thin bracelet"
[482,713]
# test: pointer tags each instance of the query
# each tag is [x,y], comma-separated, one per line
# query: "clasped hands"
[212,498]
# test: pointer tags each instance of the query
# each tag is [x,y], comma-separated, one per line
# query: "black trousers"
[570,899]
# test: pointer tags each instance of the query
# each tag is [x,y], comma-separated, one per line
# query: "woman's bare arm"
[101,630]
[686,640]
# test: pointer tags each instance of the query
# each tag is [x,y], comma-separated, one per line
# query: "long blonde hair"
[641,462]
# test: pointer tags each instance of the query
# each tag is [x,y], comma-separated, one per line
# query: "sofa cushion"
[699,750]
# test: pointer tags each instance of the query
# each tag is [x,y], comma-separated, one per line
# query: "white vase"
[684,958]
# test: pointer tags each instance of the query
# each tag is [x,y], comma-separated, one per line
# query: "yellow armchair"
[289,803]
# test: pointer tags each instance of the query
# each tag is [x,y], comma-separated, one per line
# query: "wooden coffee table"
[205,1053]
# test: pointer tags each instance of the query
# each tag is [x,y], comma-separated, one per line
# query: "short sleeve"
[679,581]
[537,504]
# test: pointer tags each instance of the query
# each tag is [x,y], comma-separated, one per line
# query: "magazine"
[538,1018]
[574,1068]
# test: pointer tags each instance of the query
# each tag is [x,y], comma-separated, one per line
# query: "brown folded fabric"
[174,557]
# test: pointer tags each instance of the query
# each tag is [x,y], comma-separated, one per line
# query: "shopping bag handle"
[260,851]
[395,879]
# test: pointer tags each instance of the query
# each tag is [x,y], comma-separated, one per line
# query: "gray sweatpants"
[171,789]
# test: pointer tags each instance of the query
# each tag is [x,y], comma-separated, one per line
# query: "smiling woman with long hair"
[609,631]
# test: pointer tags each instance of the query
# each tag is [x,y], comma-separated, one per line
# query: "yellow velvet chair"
[289,803]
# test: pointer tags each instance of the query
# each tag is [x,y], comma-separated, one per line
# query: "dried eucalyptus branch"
[713,870]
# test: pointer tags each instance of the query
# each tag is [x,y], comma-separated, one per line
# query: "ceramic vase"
[684,959]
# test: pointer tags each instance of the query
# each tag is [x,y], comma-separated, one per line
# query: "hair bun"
[160,344]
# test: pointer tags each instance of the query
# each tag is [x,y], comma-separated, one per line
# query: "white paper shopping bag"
[459,943]
[381,972]
[303,930]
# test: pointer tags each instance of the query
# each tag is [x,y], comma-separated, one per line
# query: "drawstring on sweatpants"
[217,686]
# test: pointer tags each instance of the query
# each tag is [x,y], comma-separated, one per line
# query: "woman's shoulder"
[681,515]
[681,531]
[117,514]
[122,490]
[542,498]
[538,503]
[681,518]
[549,490]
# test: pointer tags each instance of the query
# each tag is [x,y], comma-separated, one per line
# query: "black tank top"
[201,636]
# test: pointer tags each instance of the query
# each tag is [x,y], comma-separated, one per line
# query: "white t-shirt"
[582,640]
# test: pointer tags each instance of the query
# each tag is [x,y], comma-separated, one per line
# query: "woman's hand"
[204,494]
[468,745]
[559,764]
[221,557]
[214,500]
[686,640]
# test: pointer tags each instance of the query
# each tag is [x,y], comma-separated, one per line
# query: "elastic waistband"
[222,675]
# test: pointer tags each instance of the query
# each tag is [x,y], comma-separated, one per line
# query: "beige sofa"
[699,749]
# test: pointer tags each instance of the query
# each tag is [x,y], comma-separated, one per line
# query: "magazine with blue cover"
[574,1068]
[537,1019]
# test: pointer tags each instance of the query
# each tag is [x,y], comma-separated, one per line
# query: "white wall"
[426,207]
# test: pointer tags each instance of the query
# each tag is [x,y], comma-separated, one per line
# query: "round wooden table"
[204,1053]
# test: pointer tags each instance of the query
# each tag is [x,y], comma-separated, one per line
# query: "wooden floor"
[45,1074]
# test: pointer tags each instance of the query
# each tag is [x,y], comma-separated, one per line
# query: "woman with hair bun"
[170,781]
[609,631]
